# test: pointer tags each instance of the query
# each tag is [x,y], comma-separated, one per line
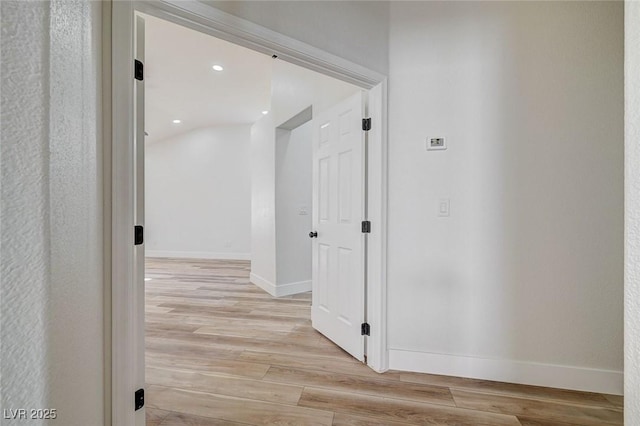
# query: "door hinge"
[139,399]
[366,124]
[365,329]
[366,227]
[138,235]
[138,70]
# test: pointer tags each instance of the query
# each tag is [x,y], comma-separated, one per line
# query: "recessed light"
[217,68]
[265,112]
[177,121]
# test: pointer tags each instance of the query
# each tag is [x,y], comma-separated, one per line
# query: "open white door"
[139,377]
[338,264]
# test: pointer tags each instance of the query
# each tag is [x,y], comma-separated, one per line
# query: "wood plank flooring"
[220,351]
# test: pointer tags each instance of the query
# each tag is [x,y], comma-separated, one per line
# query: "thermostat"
[436,144]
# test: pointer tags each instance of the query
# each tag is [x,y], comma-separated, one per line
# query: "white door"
[338,210]
[138,374]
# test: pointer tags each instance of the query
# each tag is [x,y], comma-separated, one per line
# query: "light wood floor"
[221,351]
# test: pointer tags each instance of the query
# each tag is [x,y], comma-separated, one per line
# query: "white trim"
[292,288]
[376,305]
[528,373]
[139,270]
[201,17]
[280,290]
[198,255]
[207,19]
[107,215]
[263,283]
[123,343]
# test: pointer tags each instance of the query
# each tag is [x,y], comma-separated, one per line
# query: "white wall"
[526,273]
[198,194]
[354,30]
[293,89]
[632,214]
[263,227]
[293,197]
[51,306]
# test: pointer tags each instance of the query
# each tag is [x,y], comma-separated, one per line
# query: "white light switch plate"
[444,207]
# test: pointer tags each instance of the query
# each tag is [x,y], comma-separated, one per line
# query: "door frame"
[120,174]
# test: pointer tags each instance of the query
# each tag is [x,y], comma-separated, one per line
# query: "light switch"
[443,207]
[303,210]
[434,144]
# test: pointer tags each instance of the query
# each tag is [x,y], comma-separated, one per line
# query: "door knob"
[313,234]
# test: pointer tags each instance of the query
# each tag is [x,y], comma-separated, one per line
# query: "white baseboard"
[197,255]
[264,284]
[555,376]
[293,288]
[280,290]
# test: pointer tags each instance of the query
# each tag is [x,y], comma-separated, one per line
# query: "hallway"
[219,350]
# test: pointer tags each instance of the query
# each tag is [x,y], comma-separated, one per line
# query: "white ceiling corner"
[181,84]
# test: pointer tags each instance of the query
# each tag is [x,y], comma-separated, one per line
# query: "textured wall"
[51,226]
[632,214]
[24,206]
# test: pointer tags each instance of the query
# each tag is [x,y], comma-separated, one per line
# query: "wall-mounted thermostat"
[436,144]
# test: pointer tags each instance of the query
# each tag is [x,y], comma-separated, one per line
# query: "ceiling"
[180,83]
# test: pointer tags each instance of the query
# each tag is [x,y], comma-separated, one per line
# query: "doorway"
[124,337]
[224,296]
[293,204]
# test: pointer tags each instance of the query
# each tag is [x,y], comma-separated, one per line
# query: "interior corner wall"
[523,282]
[198,194]
[632,214]
[354,30]
[293,208]
[51,304]
[263,227]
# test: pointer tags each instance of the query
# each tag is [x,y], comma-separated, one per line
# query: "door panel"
[324,187]
[345,179]
[338,206]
